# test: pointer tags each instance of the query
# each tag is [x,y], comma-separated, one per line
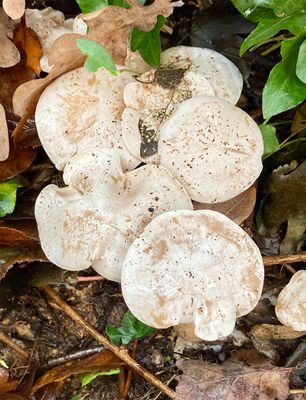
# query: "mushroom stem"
[13,346]
[120,352]
[283,259]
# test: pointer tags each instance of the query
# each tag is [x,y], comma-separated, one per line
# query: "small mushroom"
[49,25]
[193,267]
[94,220]
[291,303]
[212,147]
[81,110]
[222,74]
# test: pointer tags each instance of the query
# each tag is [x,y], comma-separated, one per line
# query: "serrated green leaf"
[131,328]
[301,63]
[88,6]
[270,26]
[98,56]
[8,192]
[271,143]
[86,379]
[148,43]
[283,89]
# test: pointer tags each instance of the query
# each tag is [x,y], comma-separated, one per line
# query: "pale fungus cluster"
[136,223]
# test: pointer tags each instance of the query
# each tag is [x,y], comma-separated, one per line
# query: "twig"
[121,381]
[90,278]
[120,352]
[297,391]
[284,259]
[13,345]
[130,373]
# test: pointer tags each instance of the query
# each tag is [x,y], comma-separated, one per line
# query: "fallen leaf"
[103,362]
[4,376]
[299,120]
[110,27]
[18,161]
[9,55]
[294,239]
[8,387]
[237,209]
[14,8]
[4,135]
[50,392]
[8,195]
[9,256]
[27,39]
[202,380]
[18,233]
[275,332]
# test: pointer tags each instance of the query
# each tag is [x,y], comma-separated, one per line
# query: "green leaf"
[253,10]
[88,6]
[118,3]
[89,377]
[148,43]
[271,143]
[283,89]
[131,328]
[8,191]
[270,26]
[76,397]
[98,56]
[288,7]
[301,63]
[3,363]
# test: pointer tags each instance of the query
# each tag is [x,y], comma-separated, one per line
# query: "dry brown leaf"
[299,120]
[237,209]
[8,386]
[18,161]
[9,55]
[104,361]
[202,380]
[14,8]
[110,27]
[27,39]
[4,136]
[18,233]
[9,256]
[275,332]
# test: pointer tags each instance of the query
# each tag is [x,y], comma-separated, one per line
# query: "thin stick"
[13,345]
[121,381]
[284,259]
[297,391]
[90,278]
[130,373]
[120,352]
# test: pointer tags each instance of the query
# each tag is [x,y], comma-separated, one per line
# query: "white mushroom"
[4,136]
[212,147]
[9,55]
[94,220]
[291,303]
[193,267]
[221,73]
[151,100]
[81,110]
[49,25]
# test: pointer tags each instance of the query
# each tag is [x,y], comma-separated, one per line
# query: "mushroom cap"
[290,306]
[222,74]
[212,147]
[193,267]
[149,103]
[81,110]
[94,220]
[4,136]
[49,25]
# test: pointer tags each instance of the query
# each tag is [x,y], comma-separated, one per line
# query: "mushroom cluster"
[137,224]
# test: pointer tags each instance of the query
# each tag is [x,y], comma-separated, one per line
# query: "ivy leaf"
[271,143]
[283,89]
[253,10]
[301,63]
[98,56]
[270,26]
[86,379]
[148,43]
[88,6]
[131,328]
[8,191]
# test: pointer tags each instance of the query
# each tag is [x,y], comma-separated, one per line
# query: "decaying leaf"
[237,209]
[275,332]
[12,255]
[103,362]
[18,161]
[9,55]
[14,8]
[18,233]
[4,136]
[110,27]
[202,380]
[28,40]
[8,386]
